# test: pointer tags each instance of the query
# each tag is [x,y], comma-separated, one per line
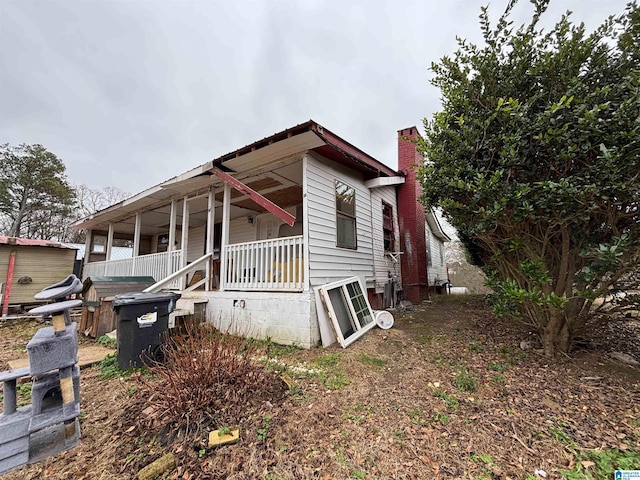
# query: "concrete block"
[15,425]
[48,351]
[217,439]
[50,441]
[45,390]
[14,461]
[14,439]
[54,416]
[14,447]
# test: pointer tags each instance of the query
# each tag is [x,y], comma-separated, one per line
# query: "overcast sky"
[131,93]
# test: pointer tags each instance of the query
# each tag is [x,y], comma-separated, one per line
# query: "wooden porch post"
[87,248]
[226,213]
[136,243]
[211,218]
[305,222]
[185,237]
[109,242]
[172,234]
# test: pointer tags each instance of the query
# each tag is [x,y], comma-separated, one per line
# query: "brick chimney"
[411,219]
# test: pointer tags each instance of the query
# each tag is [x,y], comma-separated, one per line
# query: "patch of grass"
[336,380]
[498,379]
[498,367]
[605,463]
[561,436]
[512,355]
[19,348]
[425,338]
[23,394]
[372,361]
[482,457]
[351,416]
[442,418]
[271,348]
[450,400]
[476,347]
[107,341]
[108,368]
[415,414]
[465,382]
[358,474]
[330,375]
[266,425]
[328,360]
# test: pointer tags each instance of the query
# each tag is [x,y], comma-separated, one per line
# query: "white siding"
[383,264]
[240,230]
[438,269]
[327,262]
[195,244]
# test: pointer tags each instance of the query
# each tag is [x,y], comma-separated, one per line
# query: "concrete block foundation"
[285,318]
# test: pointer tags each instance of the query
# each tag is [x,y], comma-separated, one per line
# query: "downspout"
[7,288]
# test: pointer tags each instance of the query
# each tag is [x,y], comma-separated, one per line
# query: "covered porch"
[239,227]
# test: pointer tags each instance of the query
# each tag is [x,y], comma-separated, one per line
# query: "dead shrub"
[208,379]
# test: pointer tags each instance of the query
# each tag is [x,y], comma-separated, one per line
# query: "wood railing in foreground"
[155,265]
[266,265]
[180,275]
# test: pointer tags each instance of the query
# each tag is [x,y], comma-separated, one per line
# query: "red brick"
[411,219]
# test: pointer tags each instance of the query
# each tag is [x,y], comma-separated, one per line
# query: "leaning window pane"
[343,315]
[359,304]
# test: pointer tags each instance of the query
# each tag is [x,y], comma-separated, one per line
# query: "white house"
[253,232]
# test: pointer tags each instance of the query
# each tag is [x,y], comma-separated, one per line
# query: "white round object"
[383,318]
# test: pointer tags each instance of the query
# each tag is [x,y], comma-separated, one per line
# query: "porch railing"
[156,265]
[203,261]
[275,264]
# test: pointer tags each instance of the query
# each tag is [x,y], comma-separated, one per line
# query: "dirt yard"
[446,393]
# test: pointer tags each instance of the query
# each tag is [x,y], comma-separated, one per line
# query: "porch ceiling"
[281,186]
[266,163]
[255,168]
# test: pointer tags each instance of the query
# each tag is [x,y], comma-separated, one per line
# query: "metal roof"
[31,242]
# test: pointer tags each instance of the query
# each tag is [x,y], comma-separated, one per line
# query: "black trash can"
[143,320]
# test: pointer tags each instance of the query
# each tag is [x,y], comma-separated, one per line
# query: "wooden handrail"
[183,271]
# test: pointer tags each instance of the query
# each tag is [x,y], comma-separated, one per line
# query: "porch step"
[189,304]
[185,306]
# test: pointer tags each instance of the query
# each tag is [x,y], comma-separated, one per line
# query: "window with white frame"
[348,308]
[345,215]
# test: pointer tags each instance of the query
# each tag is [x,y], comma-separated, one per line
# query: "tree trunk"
[556,336]
[17,223]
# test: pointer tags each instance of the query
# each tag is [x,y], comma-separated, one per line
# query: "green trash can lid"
[134,298]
